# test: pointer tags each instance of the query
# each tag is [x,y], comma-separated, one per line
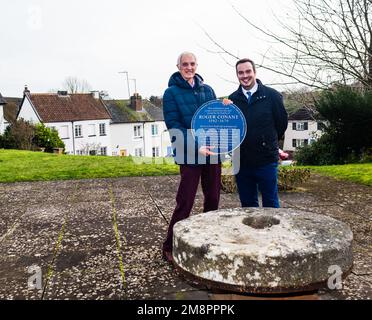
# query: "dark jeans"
[250,180]
[210,175]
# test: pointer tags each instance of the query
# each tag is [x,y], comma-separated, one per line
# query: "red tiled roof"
[74,107]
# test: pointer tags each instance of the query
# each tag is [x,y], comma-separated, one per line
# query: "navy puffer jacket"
[180,102]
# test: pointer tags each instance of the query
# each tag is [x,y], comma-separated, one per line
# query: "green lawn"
[16,165]
[360,173]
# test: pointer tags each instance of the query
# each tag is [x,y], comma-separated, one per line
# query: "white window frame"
[92,133]
[102,129]
[300,126]
[137,131]
[67,131]
[103,151]
[78,129]
[138,152]
[154,130]
[155,152]
[301,142]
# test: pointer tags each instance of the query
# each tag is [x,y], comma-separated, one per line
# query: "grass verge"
[18,165]
[359,173]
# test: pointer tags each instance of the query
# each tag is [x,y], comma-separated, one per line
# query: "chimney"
[136,102]
[26,90]
[62,93]
[95,94]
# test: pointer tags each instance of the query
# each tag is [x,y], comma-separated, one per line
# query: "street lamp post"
[126,72]
[135,85]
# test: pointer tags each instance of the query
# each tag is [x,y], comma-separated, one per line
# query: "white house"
[303,129]
[2,120]
[82,120]
[138,129]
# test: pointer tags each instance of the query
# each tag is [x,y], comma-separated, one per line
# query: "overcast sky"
[44,41]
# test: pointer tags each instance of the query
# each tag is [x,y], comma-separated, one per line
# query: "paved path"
[101,239]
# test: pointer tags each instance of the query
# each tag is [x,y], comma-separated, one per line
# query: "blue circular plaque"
[220,126]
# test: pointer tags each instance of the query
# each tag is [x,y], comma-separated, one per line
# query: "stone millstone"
[262,250]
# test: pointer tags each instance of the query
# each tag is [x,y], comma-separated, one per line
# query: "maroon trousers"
[210,175]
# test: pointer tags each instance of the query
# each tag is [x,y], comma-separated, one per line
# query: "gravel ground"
[101,239]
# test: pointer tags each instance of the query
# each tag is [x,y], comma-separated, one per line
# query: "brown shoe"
[167,256]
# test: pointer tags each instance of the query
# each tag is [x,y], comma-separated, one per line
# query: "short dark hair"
[244,61]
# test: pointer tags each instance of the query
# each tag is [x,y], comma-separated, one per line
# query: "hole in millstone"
[261,222]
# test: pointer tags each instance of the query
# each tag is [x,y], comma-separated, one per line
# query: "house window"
[78,131]
[300,126]
[154,129]
[80,152]
[92,130]
[155,152]
[63,132]
[102,129]
[138,152]
[297,143]
[103,151]
[137,132]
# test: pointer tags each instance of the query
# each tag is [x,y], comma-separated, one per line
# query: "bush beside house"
[23,135]
[348,136]
[288,179]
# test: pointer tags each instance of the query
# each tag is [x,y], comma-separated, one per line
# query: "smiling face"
[187,67]
[246,75]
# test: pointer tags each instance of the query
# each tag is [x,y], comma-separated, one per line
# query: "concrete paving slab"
[67,228]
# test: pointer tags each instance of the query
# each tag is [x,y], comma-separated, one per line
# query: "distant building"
[138,128]
[89,125]
[82,120]
[303,129]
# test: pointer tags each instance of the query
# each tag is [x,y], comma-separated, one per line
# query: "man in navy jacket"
[185,94]
[267,121]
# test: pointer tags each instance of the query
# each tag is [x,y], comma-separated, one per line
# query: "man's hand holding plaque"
[206,151]
[219,127]
[226,101]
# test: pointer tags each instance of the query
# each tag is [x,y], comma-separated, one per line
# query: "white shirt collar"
[252,91]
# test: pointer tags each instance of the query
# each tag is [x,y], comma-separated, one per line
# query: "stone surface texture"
[101,239]
[263,250]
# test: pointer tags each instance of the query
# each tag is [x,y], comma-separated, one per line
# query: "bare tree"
[75,85]
[322,43]
[90,148]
